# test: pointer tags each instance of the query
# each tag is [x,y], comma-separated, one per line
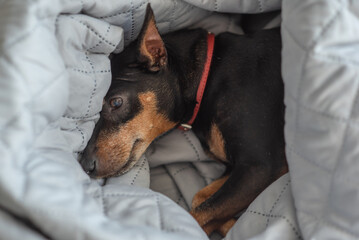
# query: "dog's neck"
[187,52]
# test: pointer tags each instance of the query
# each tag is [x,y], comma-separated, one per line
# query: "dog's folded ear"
[152,50]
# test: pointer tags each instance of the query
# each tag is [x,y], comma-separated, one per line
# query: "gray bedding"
[54,72]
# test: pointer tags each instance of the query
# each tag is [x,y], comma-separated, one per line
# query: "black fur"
[243,97]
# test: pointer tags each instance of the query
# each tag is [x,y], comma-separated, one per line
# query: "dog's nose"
[88,164]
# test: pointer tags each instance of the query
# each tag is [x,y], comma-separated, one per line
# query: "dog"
[228,89]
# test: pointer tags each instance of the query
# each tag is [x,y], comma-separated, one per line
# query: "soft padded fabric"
[321,73]
[54,72]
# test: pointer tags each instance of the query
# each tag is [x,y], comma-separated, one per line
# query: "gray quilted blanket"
[54,72]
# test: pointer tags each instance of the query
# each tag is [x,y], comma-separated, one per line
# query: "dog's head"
[138,107]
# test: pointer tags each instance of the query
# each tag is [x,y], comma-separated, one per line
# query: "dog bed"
[54,71]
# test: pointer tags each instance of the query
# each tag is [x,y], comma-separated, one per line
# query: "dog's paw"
[210,225]
[226,226]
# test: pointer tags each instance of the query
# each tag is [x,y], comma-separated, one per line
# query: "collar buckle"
[185,127]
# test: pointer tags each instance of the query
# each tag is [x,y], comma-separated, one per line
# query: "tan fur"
[205,193]
[216,143]
[203,217]
[208,191]
[116,150]
[222,227]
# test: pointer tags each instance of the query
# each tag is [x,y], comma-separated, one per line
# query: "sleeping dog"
[228,89]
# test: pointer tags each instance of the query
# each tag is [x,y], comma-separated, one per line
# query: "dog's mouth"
[132,159]
[116,163]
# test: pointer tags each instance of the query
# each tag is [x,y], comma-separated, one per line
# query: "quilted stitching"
[190,142]
[292,226]
[133,8]
[97,34]
[141,168]
[332,177]
[94,86]
[35,142]
[277,200]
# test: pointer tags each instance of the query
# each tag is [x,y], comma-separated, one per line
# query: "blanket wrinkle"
[55,71]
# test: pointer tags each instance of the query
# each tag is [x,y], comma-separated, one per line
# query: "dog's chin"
[131,162]
[138,148]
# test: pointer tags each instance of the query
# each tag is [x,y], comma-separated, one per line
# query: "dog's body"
[240,121]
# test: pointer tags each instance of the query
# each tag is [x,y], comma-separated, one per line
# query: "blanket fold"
[55,71]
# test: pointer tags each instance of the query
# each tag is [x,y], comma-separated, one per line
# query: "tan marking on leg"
[216,143]
[212,226]
[208,191]
[120,149]
[224,228]
[203,217]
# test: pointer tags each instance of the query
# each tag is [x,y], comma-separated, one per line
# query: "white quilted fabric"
[322,39]
[54,72]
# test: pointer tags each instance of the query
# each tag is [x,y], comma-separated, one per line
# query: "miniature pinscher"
[227,88]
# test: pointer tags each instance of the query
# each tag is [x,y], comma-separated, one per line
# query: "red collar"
[202,84]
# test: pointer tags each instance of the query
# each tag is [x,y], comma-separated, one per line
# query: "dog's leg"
[221,226]
[208,191]
[237,192]
[225,227]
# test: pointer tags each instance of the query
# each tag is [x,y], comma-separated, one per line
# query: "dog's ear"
[152,50]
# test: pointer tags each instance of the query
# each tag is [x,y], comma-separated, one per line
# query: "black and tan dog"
[240,120]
